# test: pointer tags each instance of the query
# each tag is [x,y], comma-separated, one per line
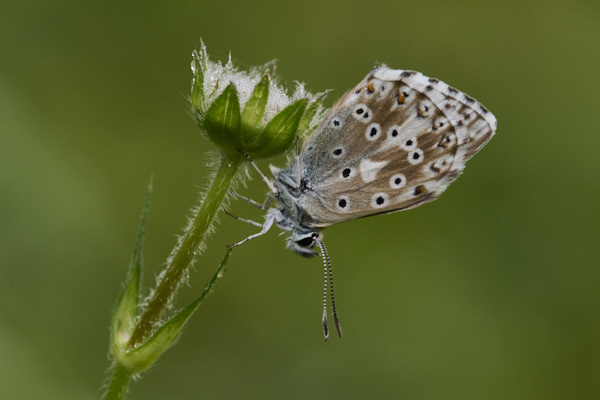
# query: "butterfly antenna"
[325,325]
[328,269]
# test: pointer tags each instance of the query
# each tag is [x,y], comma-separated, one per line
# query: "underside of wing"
[394,142]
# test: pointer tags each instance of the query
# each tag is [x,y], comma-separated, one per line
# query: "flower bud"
[247,111]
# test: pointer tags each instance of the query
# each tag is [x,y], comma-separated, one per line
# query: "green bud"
[270,119]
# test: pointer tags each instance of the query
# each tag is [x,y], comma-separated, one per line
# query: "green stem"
[119,381]
[183,255]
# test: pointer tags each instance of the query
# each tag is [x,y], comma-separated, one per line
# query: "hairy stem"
[119,381]
[183,255]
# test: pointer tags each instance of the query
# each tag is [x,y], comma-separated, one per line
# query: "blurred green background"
[490,292]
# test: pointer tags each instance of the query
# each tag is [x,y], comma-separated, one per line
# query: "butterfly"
[394,142]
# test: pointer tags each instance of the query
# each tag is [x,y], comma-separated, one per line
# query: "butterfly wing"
[394,142]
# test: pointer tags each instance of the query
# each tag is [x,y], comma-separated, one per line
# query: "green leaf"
[126,309]
[197,82]
[254,111]
[222,120]
[199,67]
[141,358]
[279,134]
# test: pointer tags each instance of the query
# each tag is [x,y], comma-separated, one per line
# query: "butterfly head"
[302,242]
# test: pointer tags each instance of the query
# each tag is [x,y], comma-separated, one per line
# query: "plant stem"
[184,253]
[119,381]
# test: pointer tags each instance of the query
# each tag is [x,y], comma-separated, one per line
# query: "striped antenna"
[327,268]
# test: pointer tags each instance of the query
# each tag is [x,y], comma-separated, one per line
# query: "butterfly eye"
[305,242]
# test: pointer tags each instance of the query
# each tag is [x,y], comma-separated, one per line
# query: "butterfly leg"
[265,228]
[248,200]
[272,188]
[248,221]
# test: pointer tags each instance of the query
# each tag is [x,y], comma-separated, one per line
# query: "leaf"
[199,65]
[280,132]
[254,111]
[141,358]
[222,120]
[126,309]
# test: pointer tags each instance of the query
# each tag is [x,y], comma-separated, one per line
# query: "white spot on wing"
[343,203]
[409,143]
[362,113]
[380,200]
[369,169]
[397,181]
[415,156]
[373,132]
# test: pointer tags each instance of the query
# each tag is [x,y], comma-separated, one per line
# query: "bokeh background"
[490,292]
